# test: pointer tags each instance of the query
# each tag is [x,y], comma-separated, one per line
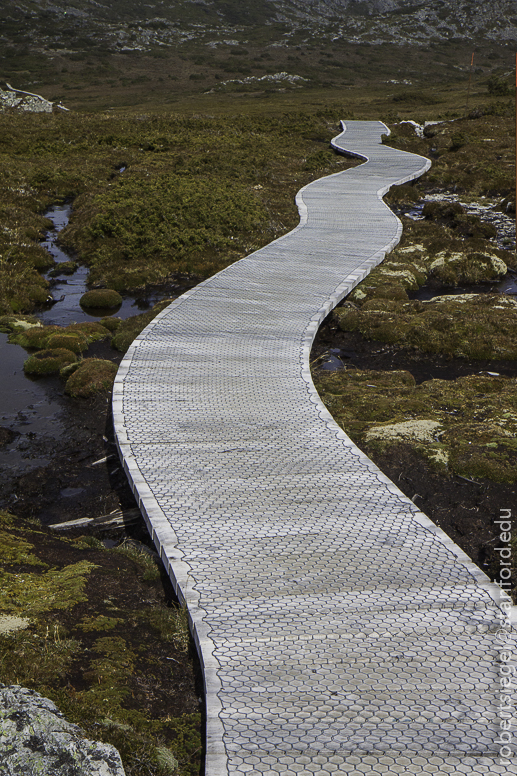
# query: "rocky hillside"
[124,24]
[110,54]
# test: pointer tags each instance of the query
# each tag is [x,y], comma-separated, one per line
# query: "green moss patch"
[110,323]
[458,219]
[73,341]
[47,362]
[103,642]
[32,594]
[78,335]
[92,330]
[103,297]
[466,426]
[35,337]
[93,375]
[475,326]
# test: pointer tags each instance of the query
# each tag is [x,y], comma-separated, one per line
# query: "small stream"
[68,289]
[31,407]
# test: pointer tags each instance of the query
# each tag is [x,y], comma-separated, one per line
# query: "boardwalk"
[339,630]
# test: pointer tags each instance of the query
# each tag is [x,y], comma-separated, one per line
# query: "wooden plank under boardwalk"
[339,630]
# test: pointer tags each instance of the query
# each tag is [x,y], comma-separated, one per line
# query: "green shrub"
[497,87]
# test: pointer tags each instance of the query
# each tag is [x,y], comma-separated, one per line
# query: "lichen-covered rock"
[9,323]
[419,430]
[36,738]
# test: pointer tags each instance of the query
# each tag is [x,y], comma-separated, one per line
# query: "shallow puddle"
[425,293]
[336,358]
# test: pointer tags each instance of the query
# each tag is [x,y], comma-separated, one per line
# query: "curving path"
[340,631]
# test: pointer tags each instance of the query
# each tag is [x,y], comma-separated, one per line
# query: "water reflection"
[27,407]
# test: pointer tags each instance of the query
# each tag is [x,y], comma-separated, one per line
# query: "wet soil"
[351,349]
[47,472]
[464,509]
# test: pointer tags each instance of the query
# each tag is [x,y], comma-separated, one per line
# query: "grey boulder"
[35,738]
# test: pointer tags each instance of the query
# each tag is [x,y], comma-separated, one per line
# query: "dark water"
[506,286]
[30,407]
[27,407]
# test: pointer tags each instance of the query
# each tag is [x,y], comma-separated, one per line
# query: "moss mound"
[46,362]
[69,369]
[456,217]
[36,337]
[102,297]
[475,326]
[131,327]
[452,268]
[92,330]
[466,426]
[75,342]
[75,337]
[93,375]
